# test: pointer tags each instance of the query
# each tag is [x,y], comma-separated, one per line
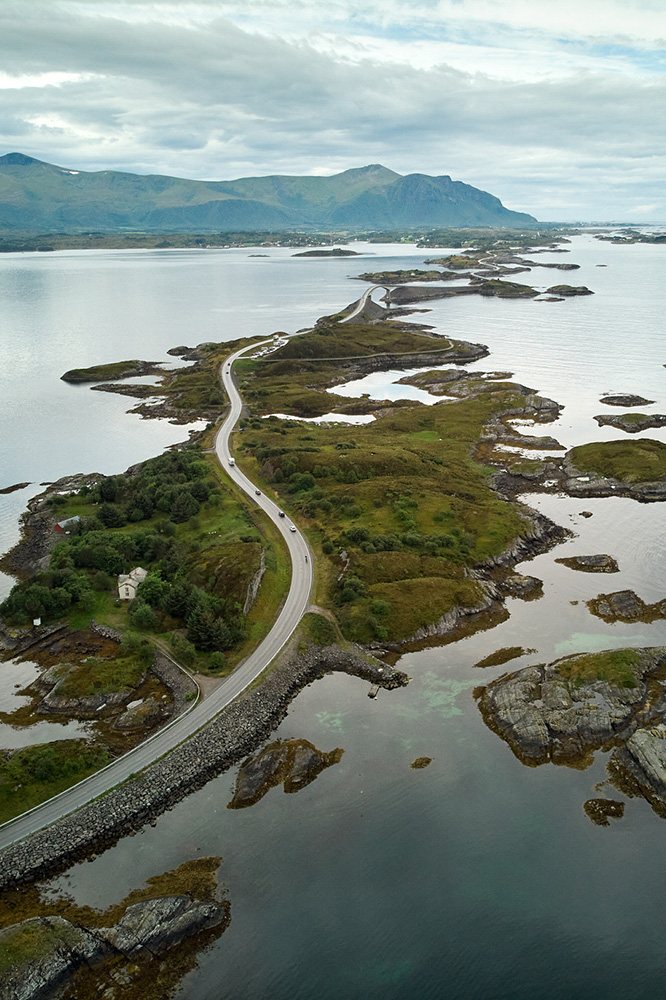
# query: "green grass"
[319,629]
[627,461]
[22,945]
[615,666]
[96,676]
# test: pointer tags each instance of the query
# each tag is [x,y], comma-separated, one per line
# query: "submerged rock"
[600,810]
[564,710]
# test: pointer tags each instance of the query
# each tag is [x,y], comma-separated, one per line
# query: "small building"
[67,524]
[128,583]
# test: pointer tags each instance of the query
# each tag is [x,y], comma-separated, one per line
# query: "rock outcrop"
[626,399]
[564,710]
[626,606]
[590,564]
[44,951]
[639,767]
[631,423]
[291,763]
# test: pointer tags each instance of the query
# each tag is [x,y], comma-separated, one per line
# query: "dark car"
[281,513]
[258,493]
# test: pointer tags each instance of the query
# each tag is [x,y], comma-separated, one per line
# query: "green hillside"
[38,196]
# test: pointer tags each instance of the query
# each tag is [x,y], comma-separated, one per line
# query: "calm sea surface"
[476,877]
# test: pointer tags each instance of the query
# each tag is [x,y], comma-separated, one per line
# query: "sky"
[557,107]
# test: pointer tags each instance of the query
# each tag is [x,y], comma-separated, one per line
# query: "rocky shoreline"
[237,731]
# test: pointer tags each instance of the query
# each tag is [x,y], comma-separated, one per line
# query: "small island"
[113,371]
[335,252]
[631,423]
[565,710]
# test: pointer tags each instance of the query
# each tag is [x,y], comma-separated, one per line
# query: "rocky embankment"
[43,952]
[564,710]
[235,732]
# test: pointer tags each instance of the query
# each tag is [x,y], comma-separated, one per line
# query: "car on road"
[232,461]
[281,513]
[292,528]
[257,493]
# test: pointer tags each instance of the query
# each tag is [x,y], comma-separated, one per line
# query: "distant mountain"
[38,196]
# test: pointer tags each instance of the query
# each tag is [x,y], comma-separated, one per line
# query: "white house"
[128,583]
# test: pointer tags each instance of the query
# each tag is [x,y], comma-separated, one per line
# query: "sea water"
[475,877]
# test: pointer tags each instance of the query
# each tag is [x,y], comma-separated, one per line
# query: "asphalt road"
[295,604]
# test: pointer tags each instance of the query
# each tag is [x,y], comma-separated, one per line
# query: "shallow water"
[477,876]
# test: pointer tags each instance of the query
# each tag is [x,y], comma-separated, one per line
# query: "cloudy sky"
[558,107]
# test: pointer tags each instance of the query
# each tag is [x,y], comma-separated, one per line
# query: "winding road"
[180,729]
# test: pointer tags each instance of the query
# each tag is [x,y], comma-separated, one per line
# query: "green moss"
[615,666]
[96,676]
[627,461]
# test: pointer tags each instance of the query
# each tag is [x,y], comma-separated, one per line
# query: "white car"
[292,528]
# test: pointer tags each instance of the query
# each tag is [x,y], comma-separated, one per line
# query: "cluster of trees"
[48,594]
[212,623]
[175,484]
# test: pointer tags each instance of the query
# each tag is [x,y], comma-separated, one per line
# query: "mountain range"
[39,196]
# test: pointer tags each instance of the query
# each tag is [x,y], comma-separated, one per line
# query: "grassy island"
[642,461]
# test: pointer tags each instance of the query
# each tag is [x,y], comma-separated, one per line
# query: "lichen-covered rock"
[640,766]
[625,606]
[156,925]
[40,953]
[631,423]
[526,587]
[626,399]
[557,712]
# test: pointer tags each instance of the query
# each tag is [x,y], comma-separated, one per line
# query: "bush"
[144,617]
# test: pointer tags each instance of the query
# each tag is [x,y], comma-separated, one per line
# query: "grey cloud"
[219,102]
